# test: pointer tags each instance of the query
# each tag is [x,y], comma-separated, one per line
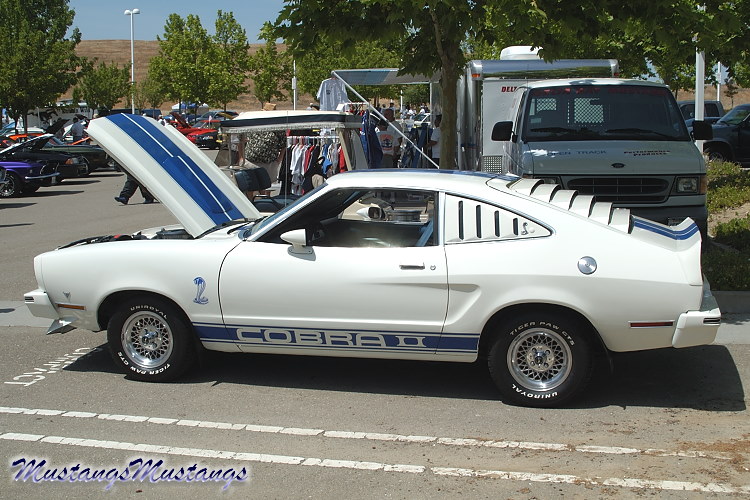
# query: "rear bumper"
[698,327]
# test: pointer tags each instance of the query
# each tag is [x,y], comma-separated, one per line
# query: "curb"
[732,302]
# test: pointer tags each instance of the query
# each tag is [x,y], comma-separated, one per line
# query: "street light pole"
[131,13]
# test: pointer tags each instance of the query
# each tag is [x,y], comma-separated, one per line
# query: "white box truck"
[623,141]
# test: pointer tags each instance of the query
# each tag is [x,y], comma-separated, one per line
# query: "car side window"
[468,220]
[368,218]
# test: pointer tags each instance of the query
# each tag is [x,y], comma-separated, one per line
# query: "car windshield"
[603,112]
[266,221]
[736,116]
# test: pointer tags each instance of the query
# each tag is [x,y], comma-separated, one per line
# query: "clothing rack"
[311,139]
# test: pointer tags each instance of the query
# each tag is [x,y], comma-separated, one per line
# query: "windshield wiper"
[224,224]
[637,131]
[552,129]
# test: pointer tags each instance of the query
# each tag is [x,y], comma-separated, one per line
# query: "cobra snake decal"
[201,284]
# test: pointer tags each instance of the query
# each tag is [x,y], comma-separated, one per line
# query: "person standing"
[390,139]
[76,130]
[128,190]
[435,140]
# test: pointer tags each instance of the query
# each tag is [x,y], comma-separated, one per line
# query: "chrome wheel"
[539,359]
[147,340]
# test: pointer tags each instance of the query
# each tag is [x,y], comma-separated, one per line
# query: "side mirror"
[702,131]
[502,131]
[298,239]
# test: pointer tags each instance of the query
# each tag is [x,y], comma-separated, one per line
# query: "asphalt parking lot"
[672,423]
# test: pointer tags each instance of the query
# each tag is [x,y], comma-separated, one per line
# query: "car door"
[362,286]
[743,141]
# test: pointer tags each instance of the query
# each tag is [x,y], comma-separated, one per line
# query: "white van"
[623,141]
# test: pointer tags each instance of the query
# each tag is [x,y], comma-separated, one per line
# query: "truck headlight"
[691,185]
[549,179]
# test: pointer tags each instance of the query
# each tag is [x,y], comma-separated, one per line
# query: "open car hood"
[174,170]
[32,143]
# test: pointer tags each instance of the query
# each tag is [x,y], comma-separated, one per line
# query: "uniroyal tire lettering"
[533,395]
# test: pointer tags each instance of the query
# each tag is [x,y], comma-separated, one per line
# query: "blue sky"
[105,19]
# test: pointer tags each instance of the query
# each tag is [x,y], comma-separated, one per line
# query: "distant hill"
[118,51]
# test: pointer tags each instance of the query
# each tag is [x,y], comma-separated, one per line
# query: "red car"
[210,126]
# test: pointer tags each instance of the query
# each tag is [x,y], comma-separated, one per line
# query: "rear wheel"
[540,359]
[151,340]
[12,187]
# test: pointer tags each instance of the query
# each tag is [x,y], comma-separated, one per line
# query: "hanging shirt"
[331,93]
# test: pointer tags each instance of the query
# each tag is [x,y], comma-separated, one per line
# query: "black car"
[731,140]
[65,164]
[95,156]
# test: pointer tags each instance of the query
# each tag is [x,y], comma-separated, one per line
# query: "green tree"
[149,93]
[231,61]
[185,51]
[429,35]
[102,86]
[38,62]
[271,70]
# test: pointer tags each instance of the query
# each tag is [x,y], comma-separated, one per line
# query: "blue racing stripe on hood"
[682,234]
[185,172]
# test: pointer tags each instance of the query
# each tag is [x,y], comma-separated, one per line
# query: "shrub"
[728,186]
[726,269]
[734,233]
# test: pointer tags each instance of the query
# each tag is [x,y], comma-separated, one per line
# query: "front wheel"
[151,340]
[540,360]
[12,187]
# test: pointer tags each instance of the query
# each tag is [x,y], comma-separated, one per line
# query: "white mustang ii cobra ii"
[400,264]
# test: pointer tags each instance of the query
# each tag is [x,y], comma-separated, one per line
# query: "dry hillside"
[118,51]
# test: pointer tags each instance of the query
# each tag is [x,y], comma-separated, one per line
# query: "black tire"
[714,154]
[540,359]
[151,340]
[12,187]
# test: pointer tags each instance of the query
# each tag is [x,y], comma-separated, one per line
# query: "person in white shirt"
[435,140]
[390,139]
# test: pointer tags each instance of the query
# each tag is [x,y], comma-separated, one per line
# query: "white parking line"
[374,436]
[376,466]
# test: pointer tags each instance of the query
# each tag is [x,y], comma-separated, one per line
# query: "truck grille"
[623,189]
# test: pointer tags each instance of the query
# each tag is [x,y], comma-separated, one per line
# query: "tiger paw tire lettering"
[150,339]
[540,360]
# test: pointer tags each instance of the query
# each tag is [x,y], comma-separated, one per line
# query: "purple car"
[24,177]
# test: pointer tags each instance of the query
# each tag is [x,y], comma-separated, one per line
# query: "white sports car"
[399,264]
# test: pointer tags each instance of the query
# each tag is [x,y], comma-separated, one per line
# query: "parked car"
[207,134]
[218,114]
[399,264]
[710,109]
[2,176]
[24,177]
[66,164]
[731,137]
[95,156]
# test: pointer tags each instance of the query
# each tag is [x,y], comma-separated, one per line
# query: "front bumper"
[40,177]
[41,306]
[698,327]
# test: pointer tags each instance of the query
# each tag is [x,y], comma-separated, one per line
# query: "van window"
[603,112]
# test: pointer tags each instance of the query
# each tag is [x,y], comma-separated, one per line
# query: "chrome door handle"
[414,267]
